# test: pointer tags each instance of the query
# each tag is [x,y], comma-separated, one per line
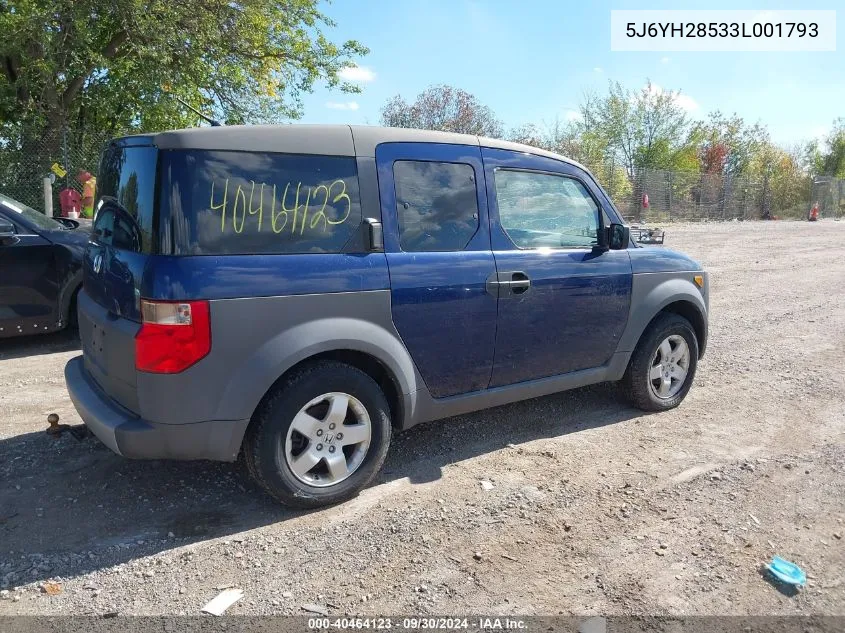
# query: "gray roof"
[338,140]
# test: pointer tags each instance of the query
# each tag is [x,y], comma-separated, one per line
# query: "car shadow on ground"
[68,506]
[66,340]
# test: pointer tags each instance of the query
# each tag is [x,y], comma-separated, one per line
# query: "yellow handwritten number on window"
[321,214]
[279,219]
[284,211]
[212,206]
[239,195]
[260,209]
[341,196]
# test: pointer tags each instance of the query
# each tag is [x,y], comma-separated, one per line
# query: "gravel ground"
[573,503]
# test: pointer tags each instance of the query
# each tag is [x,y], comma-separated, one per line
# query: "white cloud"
[664,60]
[683,101]
[819,133]
[342,105]
[572,115]
[686,102]
[357,73]
[598,69]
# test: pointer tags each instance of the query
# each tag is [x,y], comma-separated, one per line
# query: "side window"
[436,204]
[540,210]
[127,184]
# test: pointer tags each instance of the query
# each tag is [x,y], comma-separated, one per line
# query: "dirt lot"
[594,507]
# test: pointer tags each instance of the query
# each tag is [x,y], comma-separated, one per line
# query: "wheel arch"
[359,343]
[367,363]
[691,313]
[656,293]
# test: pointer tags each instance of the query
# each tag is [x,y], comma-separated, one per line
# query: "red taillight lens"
[173,336]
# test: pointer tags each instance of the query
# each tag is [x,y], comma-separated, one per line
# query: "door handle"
[519,283]
[509,284]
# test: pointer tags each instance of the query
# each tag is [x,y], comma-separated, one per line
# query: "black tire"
[264,443]
[636,382]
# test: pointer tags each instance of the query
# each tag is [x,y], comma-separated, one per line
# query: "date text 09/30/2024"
[421,623]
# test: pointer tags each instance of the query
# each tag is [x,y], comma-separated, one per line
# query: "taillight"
[173,335]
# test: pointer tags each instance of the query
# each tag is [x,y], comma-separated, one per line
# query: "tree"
[641,129]
[529,134]
[443,108]
[832,161]
[729,144]
[573,140]
[714,157]
[786,185]
[116,65]
[565,138]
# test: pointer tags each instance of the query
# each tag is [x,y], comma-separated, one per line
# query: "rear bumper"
[131,437]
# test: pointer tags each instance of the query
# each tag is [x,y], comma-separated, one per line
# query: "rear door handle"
[519,282]
[509,284]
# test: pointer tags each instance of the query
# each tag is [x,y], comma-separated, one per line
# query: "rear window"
[126,186]
[224,202]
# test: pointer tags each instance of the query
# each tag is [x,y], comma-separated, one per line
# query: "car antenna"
[212,122]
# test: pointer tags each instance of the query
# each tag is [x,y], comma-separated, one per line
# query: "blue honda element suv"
[295,294]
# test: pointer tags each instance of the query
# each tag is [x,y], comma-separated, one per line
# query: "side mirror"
[68,222]
[7,229]
[618,237]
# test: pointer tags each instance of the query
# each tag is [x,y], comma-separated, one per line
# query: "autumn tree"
[443,108]
[529,134]
[714,157]
[562,137]
[728,144]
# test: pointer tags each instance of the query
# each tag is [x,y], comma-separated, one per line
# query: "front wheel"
[662,367]
[320,437]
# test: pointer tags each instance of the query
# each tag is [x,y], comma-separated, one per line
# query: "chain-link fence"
[675,196]
[830,195]
[28,155]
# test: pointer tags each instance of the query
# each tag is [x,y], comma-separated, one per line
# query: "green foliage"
[116,65]
[576,141]
[785,180]
[642,129]
[832,162]
[642,141]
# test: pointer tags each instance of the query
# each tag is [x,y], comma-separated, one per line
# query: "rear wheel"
[320,437]
[662,367]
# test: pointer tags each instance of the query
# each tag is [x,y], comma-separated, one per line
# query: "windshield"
[40,220]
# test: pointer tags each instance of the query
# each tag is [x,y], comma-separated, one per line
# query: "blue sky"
[531,60]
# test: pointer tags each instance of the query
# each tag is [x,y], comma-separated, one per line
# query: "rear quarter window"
[225,202]
[126,183]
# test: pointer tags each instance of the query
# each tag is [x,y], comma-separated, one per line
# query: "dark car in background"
[40,269]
